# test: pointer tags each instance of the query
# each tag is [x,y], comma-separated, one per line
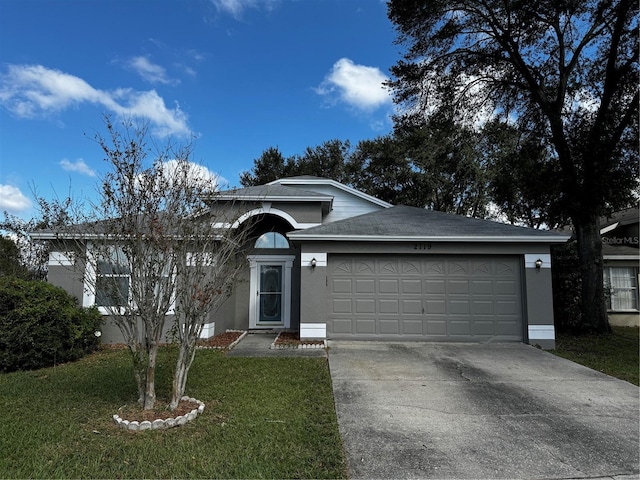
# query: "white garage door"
[457,298]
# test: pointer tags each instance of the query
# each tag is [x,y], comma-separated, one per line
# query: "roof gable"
[347,202]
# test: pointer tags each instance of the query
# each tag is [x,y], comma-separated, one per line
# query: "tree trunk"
[589,244]
[139,370]
[186,354]
[150,387]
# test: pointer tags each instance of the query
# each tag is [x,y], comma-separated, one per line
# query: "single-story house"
[332,262]
[621,254]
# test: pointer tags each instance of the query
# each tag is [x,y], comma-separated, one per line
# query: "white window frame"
[634,280]
[90,287]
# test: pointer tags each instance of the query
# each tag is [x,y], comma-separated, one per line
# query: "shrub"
[41,326]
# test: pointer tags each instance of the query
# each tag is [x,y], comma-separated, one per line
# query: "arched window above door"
[272,240]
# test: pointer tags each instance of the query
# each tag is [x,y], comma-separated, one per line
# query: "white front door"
[270,291]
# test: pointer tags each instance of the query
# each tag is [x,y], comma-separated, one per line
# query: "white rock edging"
[160,424]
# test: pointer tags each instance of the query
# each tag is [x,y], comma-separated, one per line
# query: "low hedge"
[41,326]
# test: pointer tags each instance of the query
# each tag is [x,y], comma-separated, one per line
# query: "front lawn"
[264,418]
[616,354]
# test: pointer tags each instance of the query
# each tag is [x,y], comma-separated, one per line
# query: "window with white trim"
[622,286]
[113,277]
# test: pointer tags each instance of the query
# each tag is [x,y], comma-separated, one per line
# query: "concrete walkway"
[425,410]
[259,345]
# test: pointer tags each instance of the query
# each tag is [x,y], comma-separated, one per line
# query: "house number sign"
[422,246]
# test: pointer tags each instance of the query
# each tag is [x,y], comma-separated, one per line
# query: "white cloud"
[357,85]
[78,166]
[31,91]
[197,175]
[233,7]
[236,8]
[13,200]
[151,72]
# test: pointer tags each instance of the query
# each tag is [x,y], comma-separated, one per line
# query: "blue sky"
[238,75]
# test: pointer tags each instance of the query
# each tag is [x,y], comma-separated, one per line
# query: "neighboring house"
[621,253]
[335,263]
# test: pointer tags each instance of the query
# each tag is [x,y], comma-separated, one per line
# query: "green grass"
[264,418]
[616,354]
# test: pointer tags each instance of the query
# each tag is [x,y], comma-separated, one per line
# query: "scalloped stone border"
[231,345]
[160,424]
[275,346]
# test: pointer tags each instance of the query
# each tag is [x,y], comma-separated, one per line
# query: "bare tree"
[153,251]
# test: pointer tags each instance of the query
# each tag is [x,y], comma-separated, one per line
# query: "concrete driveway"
[434,410]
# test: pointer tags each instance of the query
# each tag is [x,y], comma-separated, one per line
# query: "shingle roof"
[410,223]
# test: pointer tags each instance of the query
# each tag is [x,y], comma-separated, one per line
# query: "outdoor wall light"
[539,263]
[314,262]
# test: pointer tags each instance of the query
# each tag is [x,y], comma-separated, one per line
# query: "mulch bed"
[222,340]
[293,339]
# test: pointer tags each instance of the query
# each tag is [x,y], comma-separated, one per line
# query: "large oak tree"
[566,70]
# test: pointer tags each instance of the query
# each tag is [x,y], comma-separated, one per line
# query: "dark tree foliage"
[325,160]
[381,168]
[270,166]
[566,70]
[11,264]
[451,174]
[528,194]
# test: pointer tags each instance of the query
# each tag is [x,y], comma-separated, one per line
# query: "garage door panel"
[367,267]
[365,326]
[436,307]
[411,307]
[341,285]
[457,268]
[459,307]
[389,286]
[483,328]
[411,287]
[341,305]
[511,328]
[442,297]
[365,286]
[458,287]
[410,267]
[506,287]
[389,326]
[483,307]
[342,326]
[389,306]
[459,327]
[507,308]
[435,286]
[436,328]
[412,327]
[482,287]
[365,306]
[387,267]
